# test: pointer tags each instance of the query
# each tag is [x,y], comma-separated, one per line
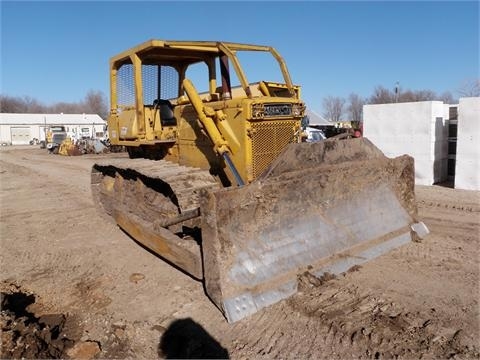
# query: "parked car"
[314,135]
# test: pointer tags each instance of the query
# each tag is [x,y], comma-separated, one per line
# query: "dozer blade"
[320,207]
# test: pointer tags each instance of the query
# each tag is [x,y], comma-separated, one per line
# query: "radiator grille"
[269,138]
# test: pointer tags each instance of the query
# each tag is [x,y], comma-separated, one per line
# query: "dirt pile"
[25,335]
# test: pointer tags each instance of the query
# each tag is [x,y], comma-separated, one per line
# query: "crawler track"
[161,193]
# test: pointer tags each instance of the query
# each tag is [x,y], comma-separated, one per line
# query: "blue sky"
[58,51]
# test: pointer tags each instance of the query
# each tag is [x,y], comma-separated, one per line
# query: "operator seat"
[167,118]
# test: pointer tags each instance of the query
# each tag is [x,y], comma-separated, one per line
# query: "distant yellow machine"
[68,148]
[54,136]
[219,184]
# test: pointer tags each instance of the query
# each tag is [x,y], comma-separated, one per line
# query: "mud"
[25,335]
[120,301]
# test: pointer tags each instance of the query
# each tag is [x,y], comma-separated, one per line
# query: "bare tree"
[447,98]
[355,107]
[469,88]
[20,105]
[96,103]
[425,95]
[32,105]
[416,95]
[67,108]
[382,95]
[9,104]
[333,107]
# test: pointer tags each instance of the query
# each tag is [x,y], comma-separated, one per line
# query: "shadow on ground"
[185,339]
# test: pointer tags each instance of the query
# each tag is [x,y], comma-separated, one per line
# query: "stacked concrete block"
[467,169]
[419,129]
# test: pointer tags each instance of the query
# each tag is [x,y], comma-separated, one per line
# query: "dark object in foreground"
[185,339]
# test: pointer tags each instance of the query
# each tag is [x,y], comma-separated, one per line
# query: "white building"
[20,129]
[421,130]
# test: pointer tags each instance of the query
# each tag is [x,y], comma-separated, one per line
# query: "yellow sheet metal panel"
[127,125]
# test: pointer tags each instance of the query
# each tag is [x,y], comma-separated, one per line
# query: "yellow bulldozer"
[219,184]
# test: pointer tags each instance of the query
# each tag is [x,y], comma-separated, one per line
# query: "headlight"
[297,109]
[257,111]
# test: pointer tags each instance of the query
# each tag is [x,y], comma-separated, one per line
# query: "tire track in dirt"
[343,322]
[426,204]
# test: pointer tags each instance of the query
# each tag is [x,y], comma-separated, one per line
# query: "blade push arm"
[206,115]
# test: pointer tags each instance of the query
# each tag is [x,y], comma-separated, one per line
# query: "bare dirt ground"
[74,285]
